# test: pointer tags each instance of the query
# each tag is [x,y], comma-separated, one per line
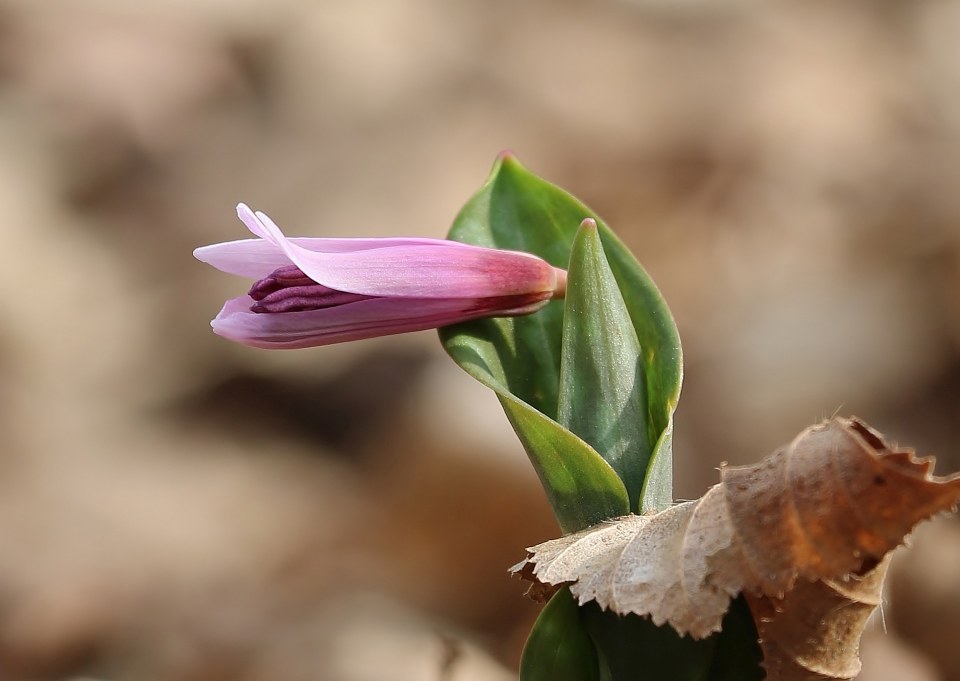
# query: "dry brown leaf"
[804,534]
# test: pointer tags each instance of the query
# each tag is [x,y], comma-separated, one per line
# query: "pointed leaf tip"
[603,396]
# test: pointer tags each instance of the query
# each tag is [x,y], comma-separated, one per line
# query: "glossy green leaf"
[662,365]
[519,358]
[559,647]
[582,488]
[603,394]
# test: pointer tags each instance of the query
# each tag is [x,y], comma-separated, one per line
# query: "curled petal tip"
[258,223]
[247,216]
[245,213]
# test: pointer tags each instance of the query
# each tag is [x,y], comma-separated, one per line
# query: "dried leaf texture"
[803,533]
[813,632]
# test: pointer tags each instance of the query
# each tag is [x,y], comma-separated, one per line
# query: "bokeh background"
[177,508]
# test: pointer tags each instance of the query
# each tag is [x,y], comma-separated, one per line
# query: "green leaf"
[632,648]
[582,488]
[573,643]
[559,648]
[662,365]
[519,358]
[603,394]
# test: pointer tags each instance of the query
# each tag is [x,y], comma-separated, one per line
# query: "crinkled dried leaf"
[813,632]
[803,533]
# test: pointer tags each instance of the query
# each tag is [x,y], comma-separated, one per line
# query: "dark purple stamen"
[287,289]
[280,278]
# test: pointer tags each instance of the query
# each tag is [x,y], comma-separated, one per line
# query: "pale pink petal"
[254,258]
[262,226]
[354,321]
[436,269]
[250,257]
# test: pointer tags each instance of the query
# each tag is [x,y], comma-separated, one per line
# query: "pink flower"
[311,292]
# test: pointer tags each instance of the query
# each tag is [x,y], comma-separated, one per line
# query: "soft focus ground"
[176,508]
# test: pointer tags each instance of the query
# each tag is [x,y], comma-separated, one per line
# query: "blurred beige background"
[177,508]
